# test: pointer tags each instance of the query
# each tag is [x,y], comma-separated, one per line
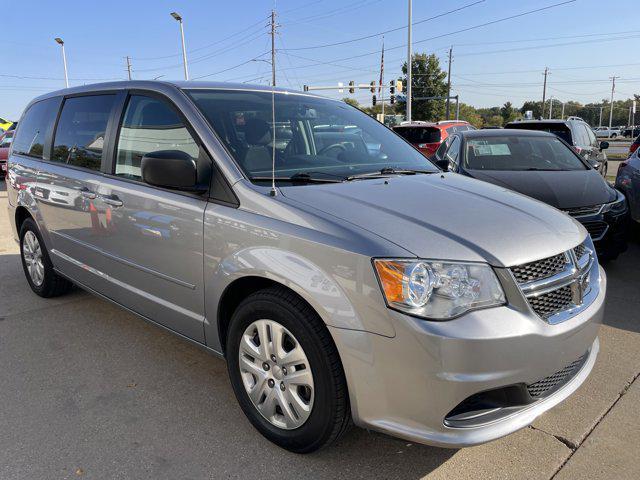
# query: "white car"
[606,132]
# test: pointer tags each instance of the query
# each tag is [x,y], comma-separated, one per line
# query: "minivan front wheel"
[37,266]
[286,372]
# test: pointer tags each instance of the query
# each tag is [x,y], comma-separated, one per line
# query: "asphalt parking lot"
[88,390]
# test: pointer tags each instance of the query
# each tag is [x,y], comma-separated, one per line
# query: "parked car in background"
[577,133]
[427,137]
[632,133]
[606,132]
[634,145]
[5,144]
[540,165]
[628,182]
[340,282]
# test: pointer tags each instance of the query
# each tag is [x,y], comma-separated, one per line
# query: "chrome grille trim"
[556,291]
[584,211]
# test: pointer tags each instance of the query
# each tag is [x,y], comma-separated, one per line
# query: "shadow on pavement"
[623,290]
[87,385]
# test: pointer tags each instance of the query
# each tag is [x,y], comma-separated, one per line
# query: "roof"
[554,120]
[163,84]
[505,133]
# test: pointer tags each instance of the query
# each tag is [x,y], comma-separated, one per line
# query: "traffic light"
[373,101]
[392,99]
[305,88]
[352,86]
[392,88]
[373,87]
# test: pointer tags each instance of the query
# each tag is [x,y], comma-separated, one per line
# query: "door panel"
[151,242]
[151,253]
[66,185]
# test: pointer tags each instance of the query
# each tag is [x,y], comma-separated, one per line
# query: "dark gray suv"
[576,133]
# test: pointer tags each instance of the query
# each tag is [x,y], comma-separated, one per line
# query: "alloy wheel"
[276,374]
[32,255]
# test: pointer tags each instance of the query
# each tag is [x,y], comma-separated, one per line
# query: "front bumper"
[407,385]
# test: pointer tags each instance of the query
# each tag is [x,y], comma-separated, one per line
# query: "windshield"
[419,134]
[320,138]
[520,153]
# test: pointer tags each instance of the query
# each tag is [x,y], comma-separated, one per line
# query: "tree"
[428,81]
[469,114]
[508,113]
[535,107]
[352,101]
[495,121]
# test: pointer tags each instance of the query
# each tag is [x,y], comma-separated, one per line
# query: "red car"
[5,143]
[634,146]
[427,137]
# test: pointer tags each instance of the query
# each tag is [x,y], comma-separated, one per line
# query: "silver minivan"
[342,276]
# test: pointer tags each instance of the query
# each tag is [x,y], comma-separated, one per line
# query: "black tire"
[53,284]
[331,415]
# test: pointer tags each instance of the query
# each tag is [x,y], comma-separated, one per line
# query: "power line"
[373,35]
[231,68]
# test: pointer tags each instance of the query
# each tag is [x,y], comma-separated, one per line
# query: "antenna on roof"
[273,191]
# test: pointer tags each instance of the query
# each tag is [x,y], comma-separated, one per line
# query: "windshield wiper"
[385,172]
[302,177]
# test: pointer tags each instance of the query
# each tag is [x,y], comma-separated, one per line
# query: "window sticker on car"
[493,149]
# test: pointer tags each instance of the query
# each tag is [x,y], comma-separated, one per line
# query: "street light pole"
[409,62]
[184,49]
[60,42]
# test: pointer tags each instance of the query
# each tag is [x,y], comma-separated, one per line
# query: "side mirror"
[169,169]
[442,164]
[604,145]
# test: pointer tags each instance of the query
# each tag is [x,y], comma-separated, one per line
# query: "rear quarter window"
[30,136]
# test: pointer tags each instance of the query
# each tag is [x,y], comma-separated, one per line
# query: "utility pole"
[600,121]
[273,48]
[613,89]
[562,114]
[409,62]
[551,107]
[449,86]
[544,89]
[129,67]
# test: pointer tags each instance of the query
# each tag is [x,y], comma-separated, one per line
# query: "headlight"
[437,290]
[619,205]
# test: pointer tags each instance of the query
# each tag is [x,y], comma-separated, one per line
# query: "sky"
[495,58]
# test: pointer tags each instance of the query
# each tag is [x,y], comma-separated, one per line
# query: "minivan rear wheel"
[286,372]
[37,266]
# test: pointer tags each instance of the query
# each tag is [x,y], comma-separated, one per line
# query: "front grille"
[596,229]
[550,383]
[583,211]
[552,302]
[556,285]
[540,269]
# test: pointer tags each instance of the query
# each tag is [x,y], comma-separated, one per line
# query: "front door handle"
[86,193]
[112,200]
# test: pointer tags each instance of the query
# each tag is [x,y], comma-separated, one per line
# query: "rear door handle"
[112,200]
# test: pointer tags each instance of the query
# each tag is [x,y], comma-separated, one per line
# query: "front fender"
[333,297]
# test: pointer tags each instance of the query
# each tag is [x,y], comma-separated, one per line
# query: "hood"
[570,189]
[447,217]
